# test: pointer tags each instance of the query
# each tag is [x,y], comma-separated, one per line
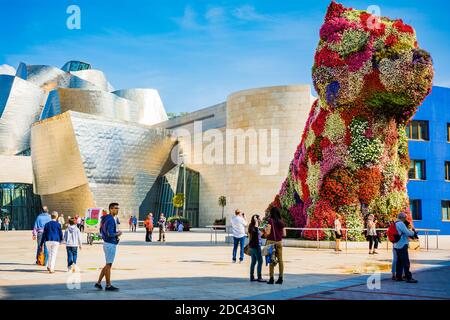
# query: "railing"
[214,229]
[426,231]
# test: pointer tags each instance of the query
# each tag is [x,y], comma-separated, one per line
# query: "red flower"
[369,180]
[335,10]
[400,26]
[299,215]
[325,143]
[319,124]
[391,40]
[333,27]
[338,187]
[372,24]
[328,58]
[372,83]
[357,60]
[323,217]
[305,189]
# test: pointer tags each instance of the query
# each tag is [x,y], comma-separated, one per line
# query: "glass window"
[417,130]
[447,170]
[416,209]
[446,210]
[18,202]
[448,132]
[417,170]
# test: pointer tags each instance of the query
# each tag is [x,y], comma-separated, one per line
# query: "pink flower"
[357,60]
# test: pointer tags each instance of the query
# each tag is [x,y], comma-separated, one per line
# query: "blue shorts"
[110,252]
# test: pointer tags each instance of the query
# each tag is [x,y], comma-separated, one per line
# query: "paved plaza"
[189,266]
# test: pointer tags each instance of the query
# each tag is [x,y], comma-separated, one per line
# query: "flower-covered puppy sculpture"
[371,76]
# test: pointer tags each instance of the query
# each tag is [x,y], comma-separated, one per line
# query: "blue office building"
[429,151]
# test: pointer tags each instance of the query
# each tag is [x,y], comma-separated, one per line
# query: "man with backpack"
[399,234]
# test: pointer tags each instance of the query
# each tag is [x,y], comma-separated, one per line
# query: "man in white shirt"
[238,224]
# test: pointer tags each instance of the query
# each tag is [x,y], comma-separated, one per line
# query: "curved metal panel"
[57,164]
[71,202]
[52,106]
[6,83]
[93,102]
[16,169]
[151,108]
[119,161]
[50,78]
[95,77]
[20,111]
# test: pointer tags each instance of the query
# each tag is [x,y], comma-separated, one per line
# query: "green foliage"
[353,220]
[287,199]
[222,201]
[390,103]
[178,218]
[352,41]
[335,127]
[363,150]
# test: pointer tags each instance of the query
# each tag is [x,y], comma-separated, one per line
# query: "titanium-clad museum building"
[70,141]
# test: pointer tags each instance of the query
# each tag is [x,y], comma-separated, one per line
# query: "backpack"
[392,233]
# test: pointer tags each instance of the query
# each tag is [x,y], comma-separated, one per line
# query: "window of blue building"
[418,130]
[448,132]
[445,210]
[416,209]
[447,170]
[417,170]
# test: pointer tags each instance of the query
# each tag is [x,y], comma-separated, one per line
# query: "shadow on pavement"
[192,288]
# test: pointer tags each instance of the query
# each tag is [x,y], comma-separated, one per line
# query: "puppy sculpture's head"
[365,61]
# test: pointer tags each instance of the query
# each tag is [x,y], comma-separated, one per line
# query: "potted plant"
[171,223]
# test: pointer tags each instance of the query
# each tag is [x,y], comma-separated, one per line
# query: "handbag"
[41,258]
[247,250]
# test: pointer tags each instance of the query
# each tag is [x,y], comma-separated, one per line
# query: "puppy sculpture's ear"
[334,10]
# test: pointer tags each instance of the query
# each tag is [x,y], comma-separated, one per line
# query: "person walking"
[148,223]
[135,221]
[130,224]
[337,232]
[110,235]
[255,248]
[275,237]
[162,227]
[61,221]
[0,223]
[72,238]
[78,221]
[372,236]
[82,224]
[52,237]
[38,228]
[238,224]
[401,248]
[6,223]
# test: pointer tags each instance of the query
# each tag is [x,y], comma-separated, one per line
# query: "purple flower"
[333,92]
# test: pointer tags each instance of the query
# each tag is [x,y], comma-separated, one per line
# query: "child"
[72,237]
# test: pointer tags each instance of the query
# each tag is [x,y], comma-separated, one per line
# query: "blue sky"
[197,52]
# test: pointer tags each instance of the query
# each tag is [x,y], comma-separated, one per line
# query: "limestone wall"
[284,108]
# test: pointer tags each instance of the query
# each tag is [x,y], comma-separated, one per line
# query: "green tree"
[222,203]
